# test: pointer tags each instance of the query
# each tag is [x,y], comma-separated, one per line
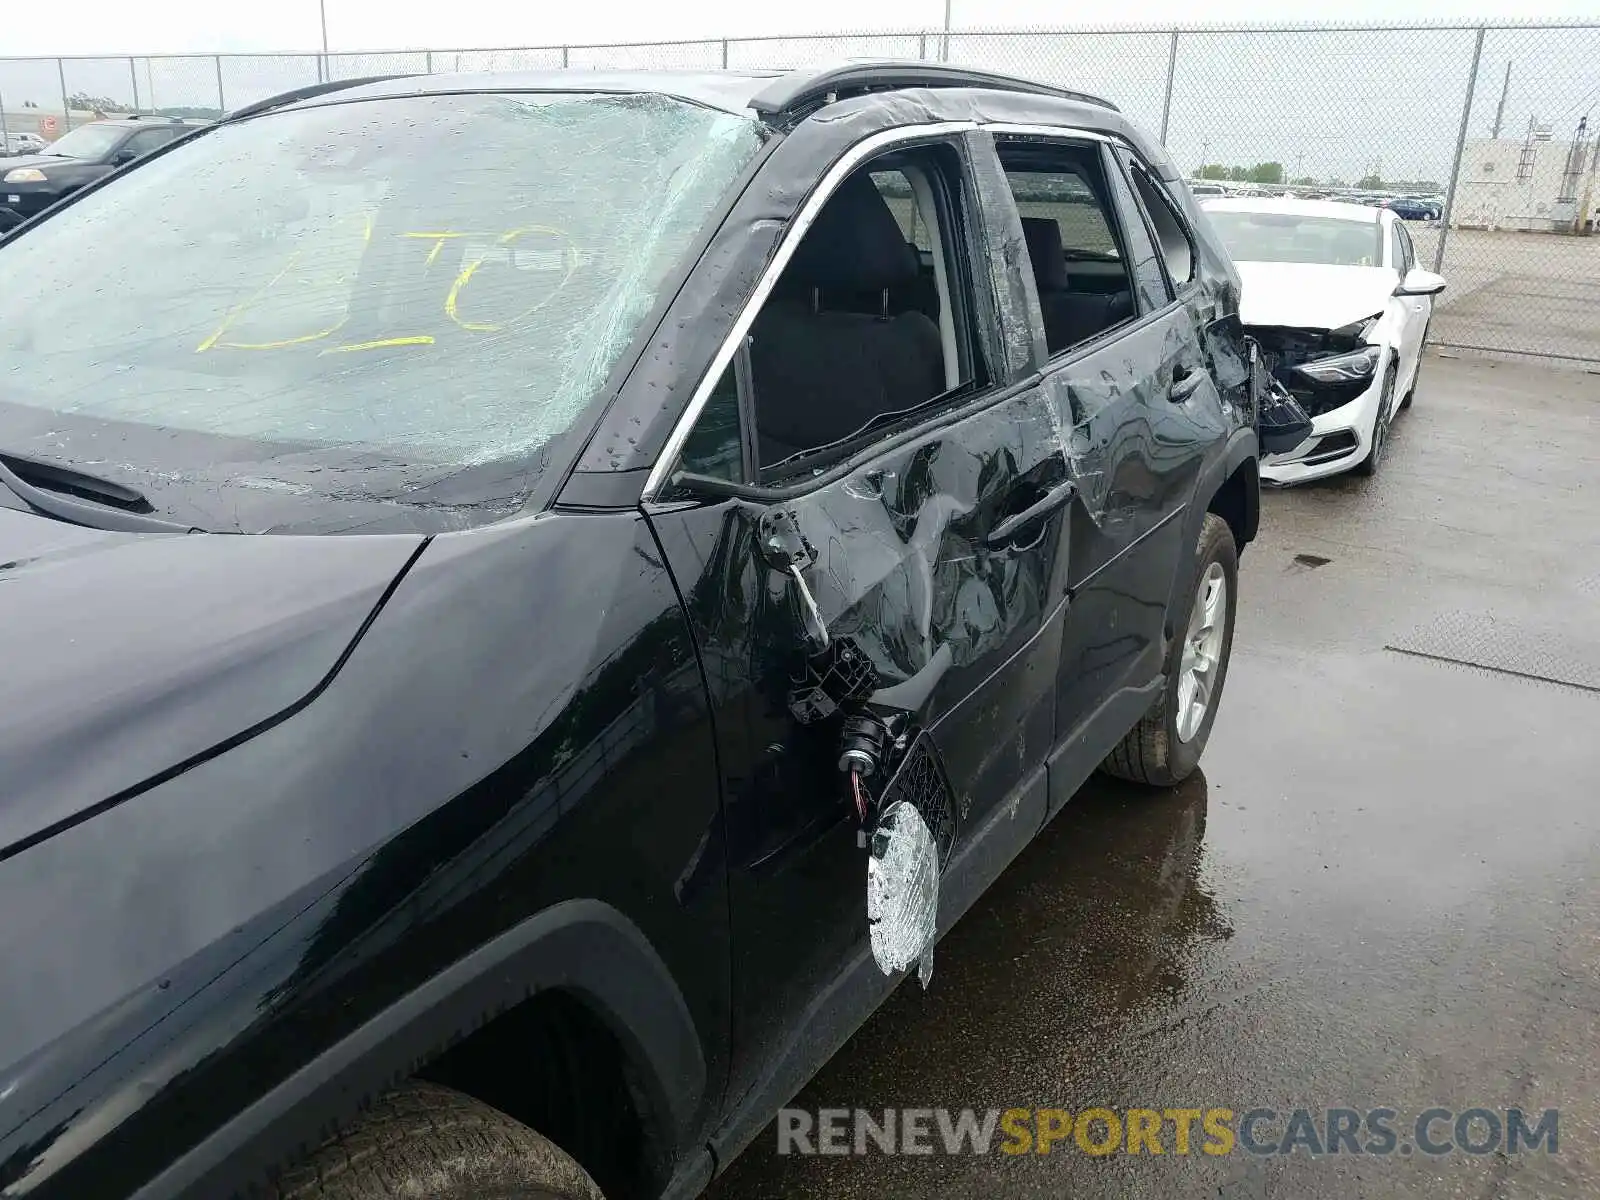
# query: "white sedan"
[1333,294]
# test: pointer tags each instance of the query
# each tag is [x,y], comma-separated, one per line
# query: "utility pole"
[1587,207]
[944,41]
[322,63]
[1299,165]
[1500,112]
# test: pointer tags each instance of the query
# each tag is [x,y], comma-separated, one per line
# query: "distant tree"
[1269,172]
[1369,182]
[186,113]
[1304,181]
[82,100]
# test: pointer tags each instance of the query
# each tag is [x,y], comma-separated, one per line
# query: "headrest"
[855,244]
[1049,260]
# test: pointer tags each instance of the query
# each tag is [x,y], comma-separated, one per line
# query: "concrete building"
[1528,183]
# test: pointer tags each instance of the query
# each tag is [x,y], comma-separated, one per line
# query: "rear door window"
[1167,226]
[1079,269]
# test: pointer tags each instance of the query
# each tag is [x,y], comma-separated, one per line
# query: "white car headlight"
[1343,368]
[24,175]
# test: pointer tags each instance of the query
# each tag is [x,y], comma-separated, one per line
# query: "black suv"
[529,604]
[31,183]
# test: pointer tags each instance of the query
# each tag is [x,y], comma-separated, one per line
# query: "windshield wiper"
[72,495]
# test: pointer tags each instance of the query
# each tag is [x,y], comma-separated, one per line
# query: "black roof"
[769,94]
[779,98]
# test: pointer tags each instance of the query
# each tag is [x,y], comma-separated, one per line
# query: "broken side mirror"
[1420,283]
[783,547]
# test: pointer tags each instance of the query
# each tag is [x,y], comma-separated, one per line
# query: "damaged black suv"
[530,602]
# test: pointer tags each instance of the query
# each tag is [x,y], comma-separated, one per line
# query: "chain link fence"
[1498,121]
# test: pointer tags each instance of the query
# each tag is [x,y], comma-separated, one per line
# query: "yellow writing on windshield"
[569,259]
[511,247]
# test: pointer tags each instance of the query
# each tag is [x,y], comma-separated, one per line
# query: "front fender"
[583,946]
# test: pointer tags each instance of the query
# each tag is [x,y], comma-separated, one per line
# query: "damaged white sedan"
[1333,295]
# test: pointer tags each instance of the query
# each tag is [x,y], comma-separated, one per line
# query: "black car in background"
[31,183]
[530,602]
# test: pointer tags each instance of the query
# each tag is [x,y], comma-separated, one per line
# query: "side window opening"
[870,324]
[1149,274]
[1177,251]
[1080,270]
[1404,256]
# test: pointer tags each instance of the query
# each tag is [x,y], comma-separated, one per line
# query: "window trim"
[1129,159]
[672,449]
[1092,142]
[1114,164]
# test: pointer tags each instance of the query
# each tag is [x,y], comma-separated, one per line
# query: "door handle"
[1005,533]
[1185,382]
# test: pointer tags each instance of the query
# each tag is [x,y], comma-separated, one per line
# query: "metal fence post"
[66,104]
[563,58]
[429,62]
[5,134]
[1172,70]
[724,54]
[222,102]
[1461,148]
[133,76]
[922,46]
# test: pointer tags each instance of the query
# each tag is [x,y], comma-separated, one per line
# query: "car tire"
[426,1140]
[1155,751]
[1369,465]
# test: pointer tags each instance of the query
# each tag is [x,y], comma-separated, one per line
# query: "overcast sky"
[1330,104]
[151,26]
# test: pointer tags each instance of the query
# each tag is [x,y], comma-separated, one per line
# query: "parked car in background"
[21,143]
[1408,208]
[1199,187]
[550,650]
[88,153]
[1333,295]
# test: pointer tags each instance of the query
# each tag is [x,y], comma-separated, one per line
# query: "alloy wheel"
[1202,651]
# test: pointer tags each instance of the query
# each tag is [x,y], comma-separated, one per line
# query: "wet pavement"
[1382,893]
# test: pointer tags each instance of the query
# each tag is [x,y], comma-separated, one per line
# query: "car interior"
[871,320]
[851,333]
[1079,269]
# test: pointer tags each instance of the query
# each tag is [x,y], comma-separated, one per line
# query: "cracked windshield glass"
[369,315]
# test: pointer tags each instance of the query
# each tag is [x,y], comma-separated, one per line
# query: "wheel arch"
[583,948]
[1230,486]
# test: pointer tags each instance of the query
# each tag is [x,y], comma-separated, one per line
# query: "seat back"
[1070,316]
[822,368]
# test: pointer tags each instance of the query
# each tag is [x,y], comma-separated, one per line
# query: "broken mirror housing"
[903,892]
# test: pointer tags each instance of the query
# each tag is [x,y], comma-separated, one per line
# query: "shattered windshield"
[357,301]
[1295,238]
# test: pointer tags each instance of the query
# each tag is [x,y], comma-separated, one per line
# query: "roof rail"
[311,90]
[812,86]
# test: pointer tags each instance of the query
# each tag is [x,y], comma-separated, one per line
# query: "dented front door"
[939,565]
